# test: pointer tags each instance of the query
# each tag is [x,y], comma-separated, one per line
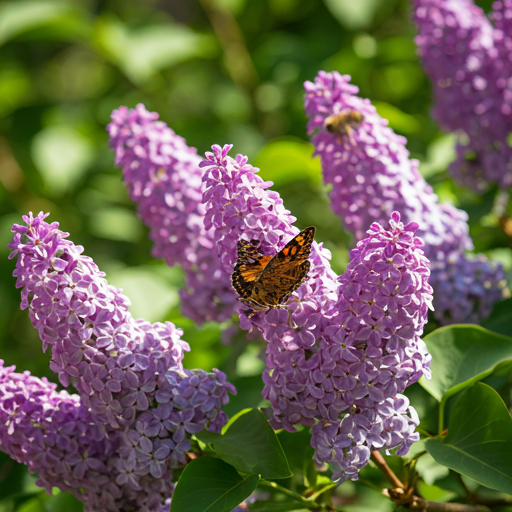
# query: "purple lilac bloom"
[239,205]
[347,444]
[372,175]
[163,178]
[469,63]
[54,435]
[128,372]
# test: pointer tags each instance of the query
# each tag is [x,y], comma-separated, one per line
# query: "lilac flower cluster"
[238,205]
[382,306]
[470,64]
[55,435]
[347,444]
[372,175]
[341,348]
[164,180]
[128,373]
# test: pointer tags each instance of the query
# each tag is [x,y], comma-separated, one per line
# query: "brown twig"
[404,495]
[381,463]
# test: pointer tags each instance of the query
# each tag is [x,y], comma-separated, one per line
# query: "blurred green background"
[217,71]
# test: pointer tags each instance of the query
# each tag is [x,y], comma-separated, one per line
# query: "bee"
[344,122]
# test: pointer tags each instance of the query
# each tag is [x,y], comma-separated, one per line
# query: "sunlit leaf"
[461,355]
[116,223]
[151,297]
[440,154]
[20,16]
[142,53]
[398,120]
[355,15]
[62,155]
[285,161]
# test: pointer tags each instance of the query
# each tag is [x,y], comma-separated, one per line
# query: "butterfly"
[263,281]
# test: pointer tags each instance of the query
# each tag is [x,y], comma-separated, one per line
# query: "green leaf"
[251,446]
[144,52]
[440,154]
[285,161]
[462,355]
[398,119]
[211,485]
[116,223]
[62,155]
[500,320]
[354,15]
[151,296]
[21,16]
[479,439]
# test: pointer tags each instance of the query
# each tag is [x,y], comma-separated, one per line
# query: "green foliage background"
[217,71]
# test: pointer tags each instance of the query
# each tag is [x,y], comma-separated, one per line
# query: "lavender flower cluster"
[344,347]
[371,175]
[163,178]
[470,64]
[115,444]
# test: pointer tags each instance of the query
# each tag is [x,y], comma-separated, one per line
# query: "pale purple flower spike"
[372,175]
[469,62]
[128,373]
[163,178]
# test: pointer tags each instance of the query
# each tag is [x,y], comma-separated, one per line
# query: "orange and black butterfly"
[263,281]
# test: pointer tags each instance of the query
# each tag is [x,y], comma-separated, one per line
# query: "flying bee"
[344,122]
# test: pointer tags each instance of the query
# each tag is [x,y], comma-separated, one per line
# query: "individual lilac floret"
[347,444]
[371,347]
[128,372]
[239,205]
[163,178]
[468,61]
[372,175]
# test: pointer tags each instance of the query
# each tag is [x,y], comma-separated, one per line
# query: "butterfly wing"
[249,265]
[286,271]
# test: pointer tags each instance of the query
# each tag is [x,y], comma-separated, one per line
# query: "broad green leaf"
[479,439]
[500,320]
[62,155]
[211,485]
[251,446]
[398,120]
[20,16]
[142,53]
[284,161]
[116,223]
[354,15]
[440,154]
[461,355]
[150,296]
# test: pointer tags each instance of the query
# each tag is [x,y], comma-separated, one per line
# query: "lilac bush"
[163,178]
[469,63]
[128,373]
[372,175]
